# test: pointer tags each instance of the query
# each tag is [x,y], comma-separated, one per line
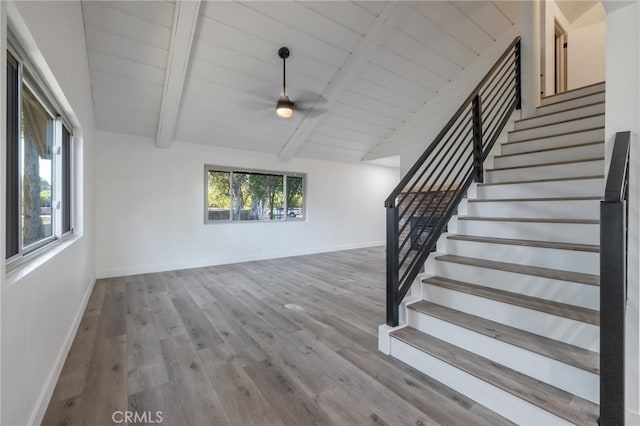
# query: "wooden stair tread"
[529,243]
[554,163]
[546,180]
[522,120]
[564,101]
[530,219]
[493,200]
[562,404]
[576,313]
[600,114]
[577,89]
[555,274]
[555,148]
[572,132]
[560,351]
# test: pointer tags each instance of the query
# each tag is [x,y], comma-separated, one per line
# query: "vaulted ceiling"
[573,10]
[208,72]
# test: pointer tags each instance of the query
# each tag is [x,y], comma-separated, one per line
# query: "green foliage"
[45,197]
[266,190]
[294,192]
[219,190]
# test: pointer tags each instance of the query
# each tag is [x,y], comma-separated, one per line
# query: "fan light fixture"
[284,107]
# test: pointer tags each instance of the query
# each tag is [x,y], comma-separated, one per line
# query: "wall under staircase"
[507,309]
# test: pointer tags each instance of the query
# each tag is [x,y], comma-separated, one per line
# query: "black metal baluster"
[518,77]
[477,139]
[393,301]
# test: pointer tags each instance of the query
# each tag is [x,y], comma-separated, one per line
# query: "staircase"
[507,309]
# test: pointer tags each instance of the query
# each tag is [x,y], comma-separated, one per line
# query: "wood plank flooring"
[288,341]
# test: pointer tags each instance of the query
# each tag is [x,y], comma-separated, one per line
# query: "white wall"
[150,208]
[42,302]
[623,113]
[531,24]
[586,47]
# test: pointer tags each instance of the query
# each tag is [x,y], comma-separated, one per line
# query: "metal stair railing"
[420,206]
[614,213]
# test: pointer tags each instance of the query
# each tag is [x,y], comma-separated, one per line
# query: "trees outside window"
[37,170]
[239,195]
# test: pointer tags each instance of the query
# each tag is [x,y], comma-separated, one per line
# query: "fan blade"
[310,112]
[307,98]
[309,103]
[255,105]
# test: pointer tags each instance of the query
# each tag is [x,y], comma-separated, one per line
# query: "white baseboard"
[147,269]
[632,418]
[47,391]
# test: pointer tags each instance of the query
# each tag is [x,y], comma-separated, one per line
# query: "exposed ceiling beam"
[184,27]
[381,26]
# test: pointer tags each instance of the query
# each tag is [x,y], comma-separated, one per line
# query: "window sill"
[227,222]
[20,269]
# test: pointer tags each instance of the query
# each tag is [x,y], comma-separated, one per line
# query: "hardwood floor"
[277,342]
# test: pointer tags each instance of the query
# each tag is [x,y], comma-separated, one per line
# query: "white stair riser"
[563,106]
[589,136]
[567,188]
[560,116]
[543,257]
[558,128]
[572,94]
[583,168]
[563,329]
[576,294]
[563,376]
[581,152]
[501,402]
[570,209]
[578,233]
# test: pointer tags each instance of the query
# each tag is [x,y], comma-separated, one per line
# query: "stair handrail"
[614,214]
[446,169]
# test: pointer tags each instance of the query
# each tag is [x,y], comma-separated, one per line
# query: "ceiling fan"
[306,102]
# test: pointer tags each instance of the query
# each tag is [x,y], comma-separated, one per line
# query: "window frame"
[22,248]
[246,170]
[61,197]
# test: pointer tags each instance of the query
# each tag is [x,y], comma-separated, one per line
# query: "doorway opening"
[560,58]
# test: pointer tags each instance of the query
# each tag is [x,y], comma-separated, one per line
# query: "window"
[253,195]
[39,164]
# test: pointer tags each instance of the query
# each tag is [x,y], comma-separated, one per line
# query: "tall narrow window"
[219,204]
[66,180]
[295,197]
[39,155]
[13,158]
[37,170]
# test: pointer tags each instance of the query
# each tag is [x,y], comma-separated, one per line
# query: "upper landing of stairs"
[507,309]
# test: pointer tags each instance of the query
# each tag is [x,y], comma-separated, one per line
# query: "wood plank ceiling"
[371,65]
